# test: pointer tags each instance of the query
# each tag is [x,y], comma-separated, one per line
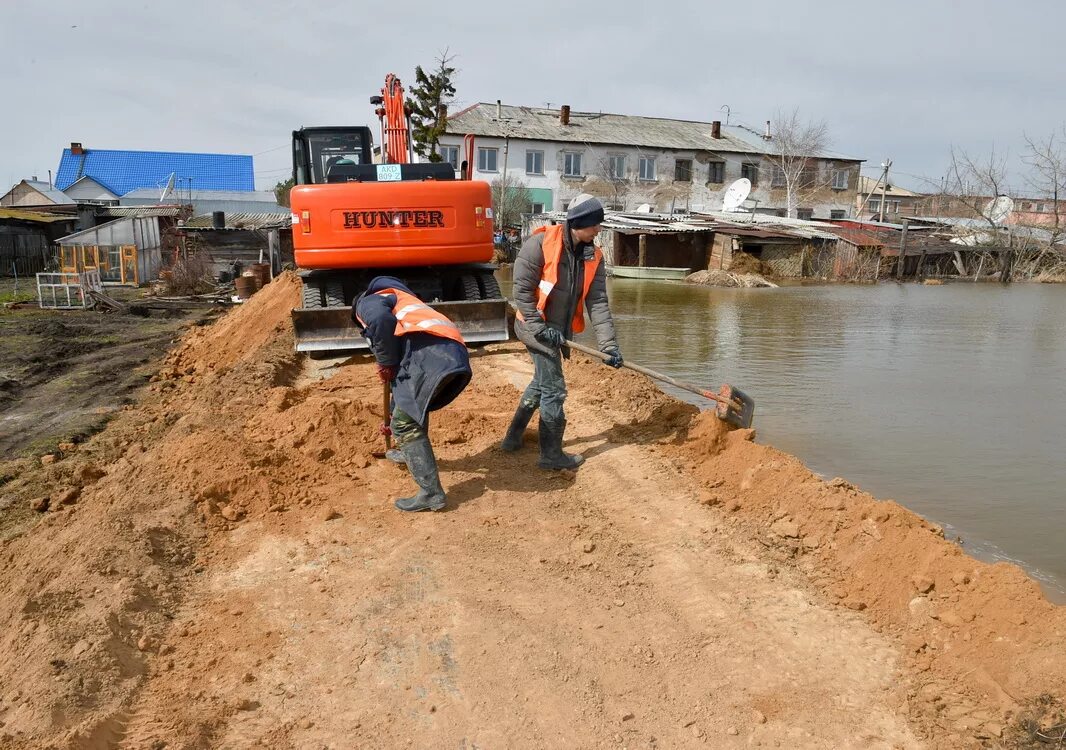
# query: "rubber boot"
[396,456]
[423,467]
[551,448]
[513,439]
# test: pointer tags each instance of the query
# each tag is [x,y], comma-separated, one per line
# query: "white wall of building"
[701,195]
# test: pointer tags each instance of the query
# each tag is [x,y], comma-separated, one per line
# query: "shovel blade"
[738,409]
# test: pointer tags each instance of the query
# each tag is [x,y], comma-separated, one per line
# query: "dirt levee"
[222,567]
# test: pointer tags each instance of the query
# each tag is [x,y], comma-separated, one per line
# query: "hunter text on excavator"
[353,219]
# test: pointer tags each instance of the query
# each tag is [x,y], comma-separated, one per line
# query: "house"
[671,165]
[898,201]
[32,193]
[119,172]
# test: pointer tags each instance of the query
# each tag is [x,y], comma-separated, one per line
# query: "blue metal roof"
[123,171]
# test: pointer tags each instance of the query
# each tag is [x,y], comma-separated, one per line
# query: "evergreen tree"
[281,191]
[430,95]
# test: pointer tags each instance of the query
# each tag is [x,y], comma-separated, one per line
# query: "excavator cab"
[354,219]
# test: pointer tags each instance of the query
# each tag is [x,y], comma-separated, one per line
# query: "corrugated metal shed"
[241,221]
[122,211]
[206,201]
[604,128]
[749,225]
[123,171]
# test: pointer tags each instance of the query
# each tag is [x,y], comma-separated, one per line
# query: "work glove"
[614,358]
[386,373]
[551,337]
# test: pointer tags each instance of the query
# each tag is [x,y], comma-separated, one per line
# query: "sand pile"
[728,279]
[985,625]
[123,616]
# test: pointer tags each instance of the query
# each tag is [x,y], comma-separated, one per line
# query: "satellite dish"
[168,189]
[736,194]
[998,209]
[643,208]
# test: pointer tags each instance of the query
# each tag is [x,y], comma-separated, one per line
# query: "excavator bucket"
[327,329]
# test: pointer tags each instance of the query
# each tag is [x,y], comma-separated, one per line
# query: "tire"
[469,286]
[311,295]
[490,288]
[334,294]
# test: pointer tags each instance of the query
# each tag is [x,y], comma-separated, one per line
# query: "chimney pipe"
[767,135]
[499,110]
[33,178]
[564,114]
[716,129]
[76,149]
[442,113]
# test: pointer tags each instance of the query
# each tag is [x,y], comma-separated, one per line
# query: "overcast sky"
[907,79]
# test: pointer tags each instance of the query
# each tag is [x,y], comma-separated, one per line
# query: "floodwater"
[949,399]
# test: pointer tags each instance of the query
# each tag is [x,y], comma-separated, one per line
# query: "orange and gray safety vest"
[415,316]
[553,249]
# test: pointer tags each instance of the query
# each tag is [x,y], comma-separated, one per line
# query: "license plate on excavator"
[327,329]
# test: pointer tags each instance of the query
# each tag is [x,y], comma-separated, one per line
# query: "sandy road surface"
[231,574]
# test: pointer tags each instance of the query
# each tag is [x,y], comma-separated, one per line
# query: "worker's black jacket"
[432,370]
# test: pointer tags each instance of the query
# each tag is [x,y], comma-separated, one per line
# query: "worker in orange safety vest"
[559,275]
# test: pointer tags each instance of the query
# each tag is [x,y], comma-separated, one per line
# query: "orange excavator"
[354,219]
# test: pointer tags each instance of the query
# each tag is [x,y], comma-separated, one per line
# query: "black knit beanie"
[584,213]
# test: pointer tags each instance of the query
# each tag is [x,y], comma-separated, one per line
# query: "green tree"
[429,100]
[281,191]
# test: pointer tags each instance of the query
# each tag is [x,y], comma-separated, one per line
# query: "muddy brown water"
[949,399]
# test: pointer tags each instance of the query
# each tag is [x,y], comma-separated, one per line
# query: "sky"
[907,80]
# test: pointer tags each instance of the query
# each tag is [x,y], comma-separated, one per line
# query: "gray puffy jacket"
[559,312]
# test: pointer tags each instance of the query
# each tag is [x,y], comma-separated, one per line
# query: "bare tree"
[1047,158]
[795,149]
[510,199]
[605,183]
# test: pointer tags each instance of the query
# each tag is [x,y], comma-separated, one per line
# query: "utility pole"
[902,251]
[884,187]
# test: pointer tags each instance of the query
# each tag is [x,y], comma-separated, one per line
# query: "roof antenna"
[726,108]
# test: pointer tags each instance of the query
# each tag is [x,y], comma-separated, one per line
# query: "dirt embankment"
[222,567]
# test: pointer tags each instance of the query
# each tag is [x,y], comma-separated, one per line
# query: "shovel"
[734,407]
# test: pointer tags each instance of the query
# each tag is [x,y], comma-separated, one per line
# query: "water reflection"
[949,399]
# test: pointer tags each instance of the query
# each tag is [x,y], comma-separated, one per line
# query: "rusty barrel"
[246,285]
[262,271]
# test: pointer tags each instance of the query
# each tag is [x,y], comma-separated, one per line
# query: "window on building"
[1040,207]
[716,172]
[834,215]
[683,170]
[616,166]
[805,213]
[572,164]
[874,204]
[537,208]
[750,170]
[534,162]
[450,155]
[777,179]
[840,179]
[647,168]
[486,159]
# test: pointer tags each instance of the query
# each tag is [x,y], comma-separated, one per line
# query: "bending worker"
[558,272]
[423,355]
